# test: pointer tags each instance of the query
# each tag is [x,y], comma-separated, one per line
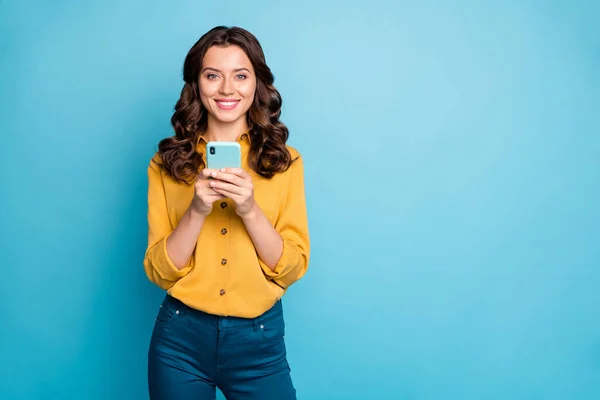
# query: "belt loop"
[182,308]
[177,305]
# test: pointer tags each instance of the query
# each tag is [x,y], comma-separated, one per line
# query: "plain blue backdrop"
[452,172]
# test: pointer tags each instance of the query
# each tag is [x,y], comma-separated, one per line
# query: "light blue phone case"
[223,155]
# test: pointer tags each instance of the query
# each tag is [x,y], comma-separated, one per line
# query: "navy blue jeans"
[191,353]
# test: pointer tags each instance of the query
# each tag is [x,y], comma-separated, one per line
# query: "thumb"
[205,174]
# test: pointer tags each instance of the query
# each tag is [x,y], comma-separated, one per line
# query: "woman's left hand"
[236,184]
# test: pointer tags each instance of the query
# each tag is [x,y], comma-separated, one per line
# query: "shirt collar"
[242,138]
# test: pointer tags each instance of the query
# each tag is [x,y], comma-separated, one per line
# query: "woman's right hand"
[204,195]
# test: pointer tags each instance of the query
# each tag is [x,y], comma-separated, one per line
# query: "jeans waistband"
[175,305]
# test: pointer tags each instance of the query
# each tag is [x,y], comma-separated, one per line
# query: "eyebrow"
[235,70]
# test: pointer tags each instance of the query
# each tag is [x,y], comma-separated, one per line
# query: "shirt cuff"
[164,265]
[290,258]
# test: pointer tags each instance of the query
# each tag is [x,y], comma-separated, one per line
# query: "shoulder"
[294,153]
[155,165]
[156,158]
[297,165]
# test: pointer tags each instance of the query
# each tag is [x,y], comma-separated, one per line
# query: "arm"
[182,241]
[284,251]
[267,241]
[168,256]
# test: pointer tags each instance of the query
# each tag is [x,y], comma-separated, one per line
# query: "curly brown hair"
[268,153]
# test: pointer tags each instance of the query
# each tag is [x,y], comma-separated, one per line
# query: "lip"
[233,103]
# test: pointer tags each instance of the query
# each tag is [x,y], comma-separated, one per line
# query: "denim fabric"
[191,353]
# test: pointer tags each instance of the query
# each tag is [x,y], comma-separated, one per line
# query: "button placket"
[226,244]
[223,233]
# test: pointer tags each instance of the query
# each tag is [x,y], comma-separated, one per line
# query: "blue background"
[452,172]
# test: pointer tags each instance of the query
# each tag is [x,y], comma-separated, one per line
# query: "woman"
[225,244]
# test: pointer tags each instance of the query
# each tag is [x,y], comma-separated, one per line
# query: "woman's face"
[227,83]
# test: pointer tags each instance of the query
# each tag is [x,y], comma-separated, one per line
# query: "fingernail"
[214,174]
[223,169]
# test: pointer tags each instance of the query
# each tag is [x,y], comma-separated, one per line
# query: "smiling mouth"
[227,104]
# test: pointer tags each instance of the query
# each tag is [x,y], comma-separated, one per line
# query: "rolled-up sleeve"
[158,265]
[292,225]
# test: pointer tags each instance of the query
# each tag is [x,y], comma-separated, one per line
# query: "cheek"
[205,102]
[206,91]
[249,91]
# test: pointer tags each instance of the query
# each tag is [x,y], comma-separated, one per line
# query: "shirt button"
[224,261]
[223,231]
[223,204]
[222,292]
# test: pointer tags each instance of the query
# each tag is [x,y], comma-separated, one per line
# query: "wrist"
[251,214]
[198,212]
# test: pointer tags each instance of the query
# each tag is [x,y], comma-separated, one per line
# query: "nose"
[226,87]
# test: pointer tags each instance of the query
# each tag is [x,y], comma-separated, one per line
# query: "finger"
[231,195]
[208,192]
[236,171]
[220,186]
[205,173]
[202,188]
[227,177]
[213,193]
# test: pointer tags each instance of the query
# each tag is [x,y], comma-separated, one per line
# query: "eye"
[211,76]
[241,76]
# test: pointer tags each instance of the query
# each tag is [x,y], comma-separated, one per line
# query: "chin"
[227,118]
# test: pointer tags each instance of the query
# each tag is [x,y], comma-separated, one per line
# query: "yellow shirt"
[225,275]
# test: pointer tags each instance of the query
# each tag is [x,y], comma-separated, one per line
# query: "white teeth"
[227,103]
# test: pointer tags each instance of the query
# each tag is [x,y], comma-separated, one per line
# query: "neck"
[225,131]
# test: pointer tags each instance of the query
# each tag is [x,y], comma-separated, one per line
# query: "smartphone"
[223,155]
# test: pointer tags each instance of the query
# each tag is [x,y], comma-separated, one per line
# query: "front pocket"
[164,315]
[273,330]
